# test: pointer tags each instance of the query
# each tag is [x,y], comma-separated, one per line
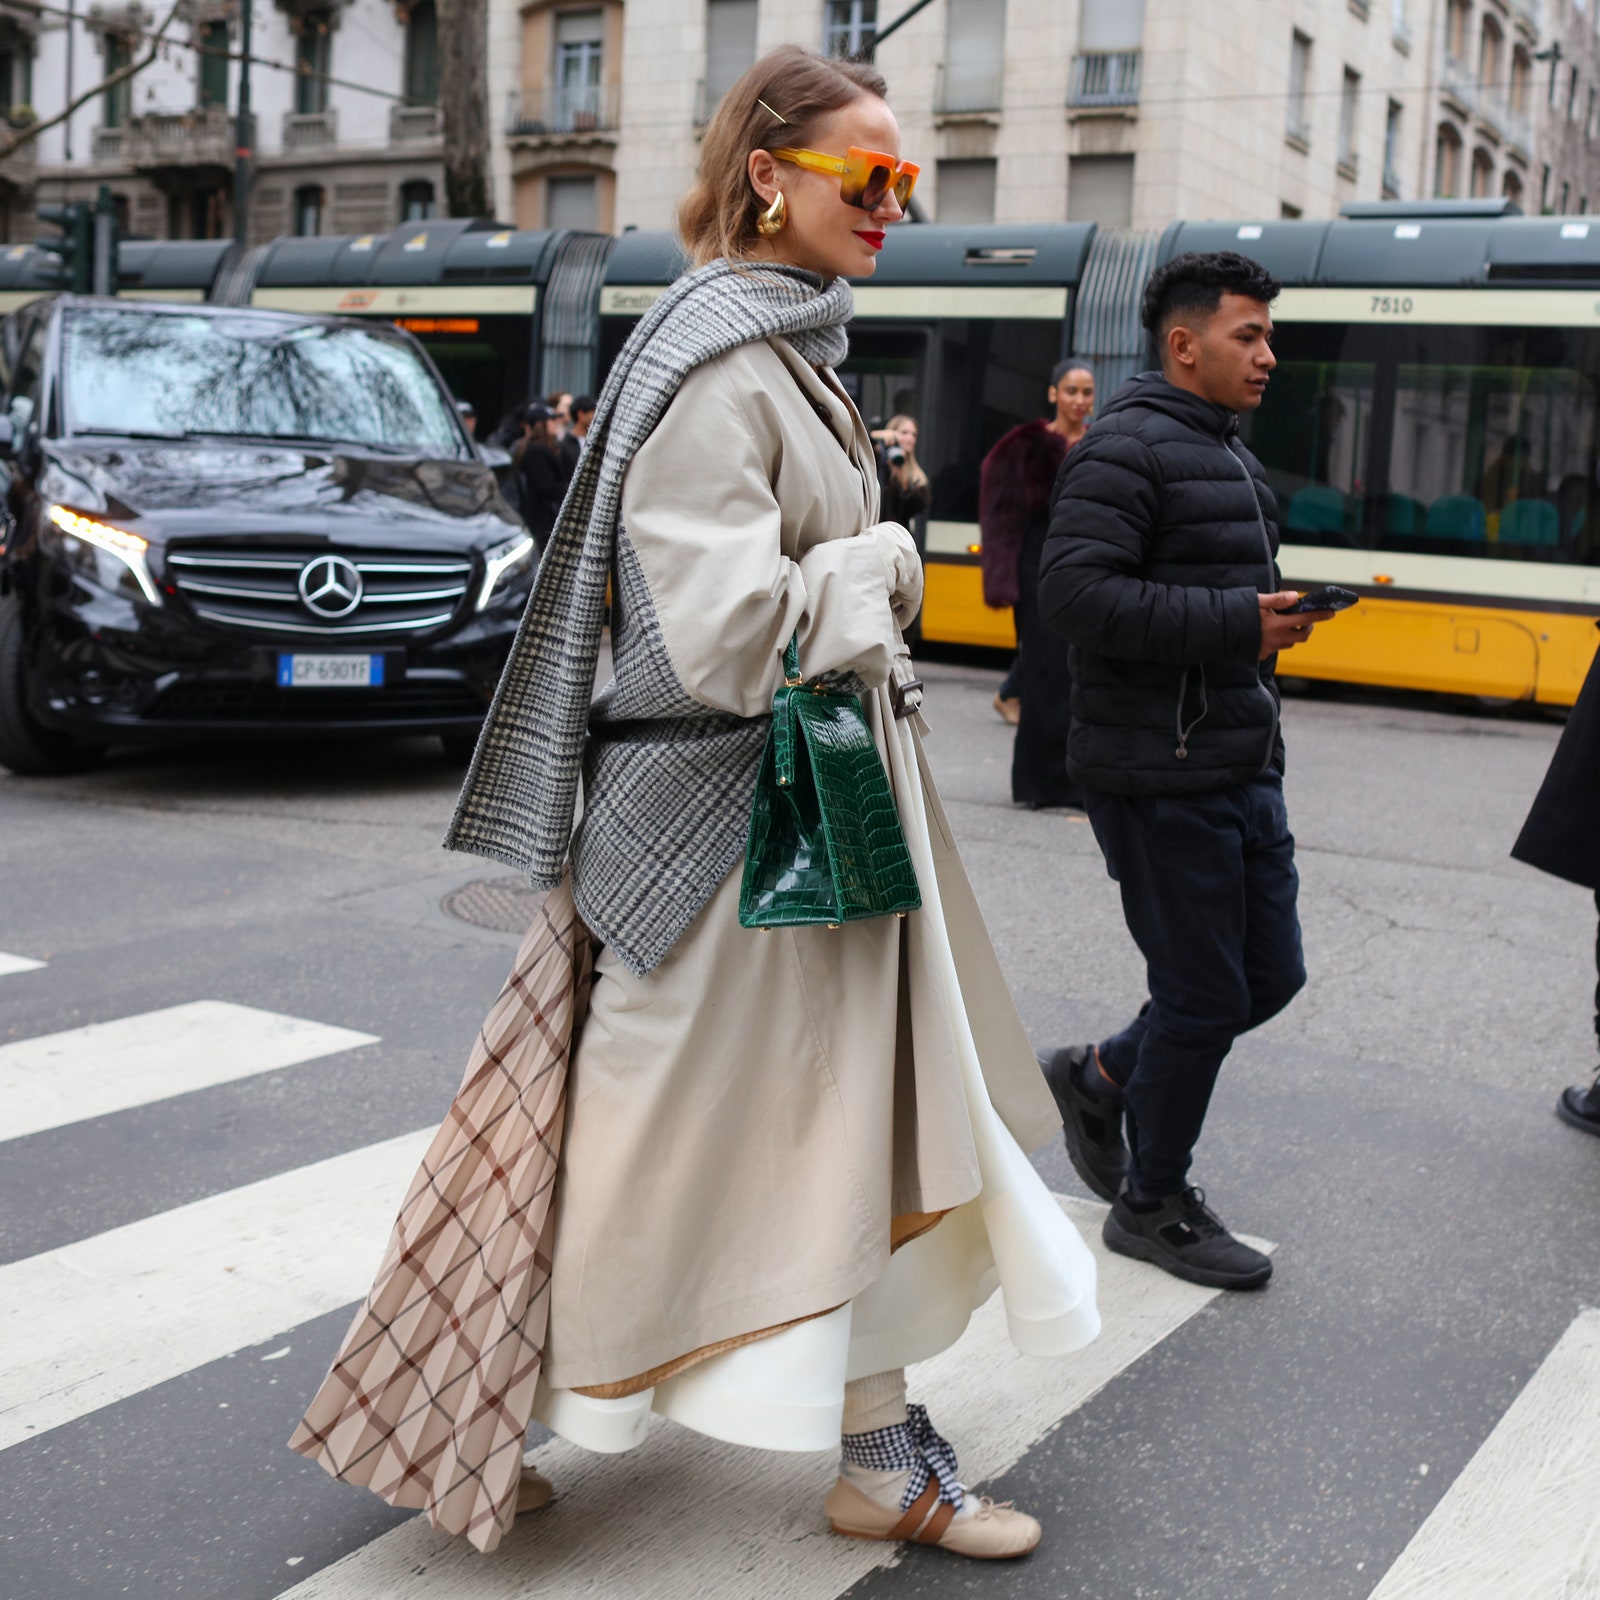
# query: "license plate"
[299,671]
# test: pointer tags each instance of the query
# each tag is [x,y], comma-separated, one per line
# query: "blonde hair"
[717,217]
[916,477]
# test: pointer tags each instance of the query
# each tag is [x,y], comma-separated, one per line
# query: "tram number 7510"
[1392,305]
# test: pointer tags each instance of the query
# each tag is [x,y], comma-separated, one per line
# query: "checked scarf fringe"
[910,1446]
[518,801]
[428,1401]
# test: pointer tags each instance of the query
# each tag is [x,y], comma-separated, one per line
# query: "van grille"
[256,588]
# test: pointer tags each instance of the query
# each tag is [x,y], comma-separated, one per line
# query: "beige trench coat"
[754,1125]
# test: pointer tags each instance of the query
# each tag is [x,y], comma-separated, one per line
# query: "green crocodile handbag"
[825,841]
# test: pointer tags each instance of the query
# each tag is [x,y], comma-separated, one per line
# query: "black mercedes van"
[222,521]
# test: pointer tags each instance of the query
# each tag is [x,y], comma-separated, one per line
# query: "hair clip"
[770,112]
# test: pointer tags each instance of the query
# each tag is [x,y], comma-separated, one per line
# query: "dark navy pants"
[1208,889]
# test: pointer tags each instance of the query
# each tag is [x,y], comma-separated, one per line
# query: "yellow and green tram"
[1432,432]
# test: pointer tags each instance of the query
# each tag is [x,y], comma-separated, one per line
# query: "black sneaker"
[1092,1126]
[1581,1107]
[1183,1236]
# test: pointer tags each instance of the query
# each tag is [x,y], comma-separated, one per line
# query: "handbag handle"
[791,661]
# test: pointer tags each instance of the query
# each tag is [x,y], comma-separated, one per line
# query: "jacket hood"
[1150,391]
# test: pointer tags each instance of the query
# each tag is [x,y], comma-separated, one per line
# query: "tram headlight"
[115,556]
[505,566]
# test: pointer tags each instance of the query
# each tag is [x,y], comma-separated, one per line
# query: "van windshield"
[156,374]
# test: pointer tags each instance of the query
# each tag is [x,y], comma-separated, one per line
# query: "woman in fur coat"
[1013,514]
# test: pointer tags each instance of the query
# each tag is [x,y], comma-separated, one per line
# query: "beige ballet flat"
[1010,709]
[992,1533]
[534,1491]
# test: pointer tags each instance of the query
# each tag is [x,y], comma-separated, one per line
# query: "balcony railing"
[1460,82]
[1491,108]
[967,87]
[1106,78]
[1391,182]
[1298,127]
[160,140]
[310,130]
[415,124]
[1400,31]
[1519,130]
[108,144]
[538,113]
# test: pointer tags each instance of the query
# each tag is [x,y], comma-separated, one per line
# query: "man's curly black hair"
[1195,283]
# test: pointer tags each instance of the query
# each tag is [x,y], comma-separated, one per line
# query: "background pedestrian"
[902,484]
[1160,568]
[542,473]
[1013,516]
[1562,836]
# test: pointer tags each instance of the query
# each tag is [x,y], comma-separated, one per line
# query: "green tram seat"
[1457,516]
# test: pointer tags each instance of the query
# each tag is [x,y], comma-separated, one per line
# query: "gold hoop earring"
[774,218]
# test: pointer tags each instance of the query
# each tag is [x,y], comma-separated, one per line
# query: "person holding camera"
[903,486]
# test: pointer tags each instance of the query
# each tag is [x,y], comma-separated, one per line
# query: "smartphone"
[1330,598]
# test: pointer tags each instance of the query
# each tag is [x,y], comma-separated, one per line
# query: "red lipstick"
[873,236]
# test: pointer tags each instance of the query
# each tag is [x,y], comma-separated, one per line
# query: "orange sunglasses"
[865,176]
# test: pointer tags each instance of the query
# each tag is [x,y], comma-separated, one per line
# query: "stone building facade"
[348,134]
[1125,112]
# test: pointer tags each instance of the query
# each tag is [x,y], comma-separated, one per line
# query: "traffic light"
[75,246]
[103,273]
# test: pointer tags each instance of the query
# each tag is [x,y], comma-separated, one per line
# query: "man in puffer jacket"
[1160,568]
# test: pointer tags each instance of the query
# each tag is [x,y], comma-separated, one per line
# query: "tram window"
[1312,437]
[1494,451]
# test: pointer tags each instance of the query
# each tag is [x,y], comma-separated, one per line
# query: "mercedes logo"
[330,586]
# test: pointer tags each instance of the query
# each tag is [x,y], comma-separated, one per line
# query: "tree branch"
[121,75]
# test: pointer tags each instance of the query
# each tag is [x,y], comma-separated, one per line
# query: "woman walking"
[1013,515]
[737,1178]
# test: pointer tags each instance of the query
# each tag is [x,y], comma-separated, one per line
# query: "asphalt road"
[1392,1133]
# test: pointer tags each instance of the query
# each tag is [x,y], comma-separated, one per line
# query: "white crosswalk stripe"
[102,1319]
[10,963]
[684,1517]
[88,1072]
[1522,1522]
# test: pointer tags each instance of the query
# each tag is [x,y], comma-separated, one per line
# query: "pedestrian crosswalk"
[97,1323]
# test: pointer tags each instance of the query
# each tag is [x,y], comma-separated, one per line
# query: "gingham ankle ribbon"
[910,1446]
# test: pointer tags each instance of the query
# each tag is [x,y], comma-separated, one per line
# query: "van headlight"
[506,566]
[114,554]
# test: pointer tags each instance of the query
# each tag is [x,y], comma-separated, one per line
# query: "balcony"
[576,115]
[108,145]
[1519,131]
[1105,78]
[1391,181]
[967,88]
[1460,83]
[1298,128]
[167,141]
[310,130]
[415,124]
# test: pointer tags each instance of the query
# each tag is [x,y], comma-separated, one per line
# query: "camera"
[894,455]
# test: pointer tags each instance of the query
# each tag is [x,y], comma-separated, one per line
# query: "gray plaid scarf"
[518,802]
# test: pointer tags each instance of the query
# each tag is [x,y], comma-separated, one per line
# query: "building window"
[851,28]
[1447,164]
[117,101]
[1100,189]
[1457,26]
[1299,124]
[571,203]
[16,75]
[1289,213]
[313,56]
[1482,174]
[308,211]
[422,54]
[211,41]
[966,191]
[730,48]
[1349,118]
[1572,95]
[1511,187]
[1566,197]
[974,56]
[1521,72]
[1391,148]
[580,43]
[416,200]
[1490,43]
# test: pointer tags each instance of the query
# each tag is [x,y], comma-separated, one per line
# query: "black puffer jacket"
[1162,534]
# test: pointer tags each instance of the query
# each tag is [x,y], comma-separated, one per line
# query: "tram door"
[483,359]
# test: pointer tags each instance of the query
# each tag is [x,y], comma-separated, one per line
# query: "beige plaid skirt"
[428,1401]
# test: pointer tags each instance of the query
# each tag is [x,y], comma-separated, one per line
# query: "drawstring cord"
[1182,752]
